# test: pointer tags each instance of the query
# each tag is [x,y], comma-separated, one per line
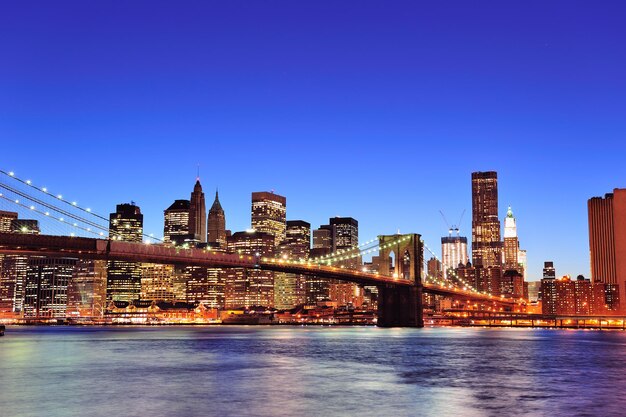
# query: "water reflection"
[292,371]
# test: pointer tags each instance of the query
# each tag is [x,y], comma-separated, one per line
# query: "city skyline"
[392,129]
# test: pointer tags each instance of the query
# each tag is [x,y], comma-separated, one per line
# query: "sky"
[378,110]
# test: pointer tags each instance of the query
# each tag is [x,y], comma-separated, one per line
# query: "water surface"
[310,371]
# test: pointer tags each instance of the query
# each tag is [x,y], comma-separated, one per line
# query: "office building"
[124,278]
[197,214]
[217,224]
[176,223]
[454,252]
[607,239]
[45,289]
[269,215]
[290,289]
[157,282]
[86,290]
[486,244]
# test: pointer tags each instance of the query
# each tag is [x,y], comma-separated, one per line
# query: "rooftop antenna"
[198,176]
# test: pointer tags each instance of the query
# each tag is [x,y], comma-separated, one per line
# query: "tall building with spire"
[511,243]
[486,244]
[197,213]
[217,224]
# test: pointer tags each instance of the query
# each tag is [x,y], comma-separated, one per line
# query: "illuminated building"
[534,290]
[290,289]
[548,289]
[197,214]
[522,259]
[14,269]
[584,296]
[176,223]
[511,243]
[157,282]
[323,238]
[345,237]
[45,289]
[86,290]
[217,224]
[124,278]
[433,268]
[489,279]
[250,287]
[512,284]
[7,281]
[269,215]
[454,252]
[565,296]
[607,239]
[486,245]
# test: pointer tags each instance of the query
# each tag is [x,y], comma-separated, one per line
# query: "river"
[310,371]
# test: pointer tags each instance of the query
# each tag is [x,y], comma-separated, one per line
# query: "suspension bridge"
[84,234]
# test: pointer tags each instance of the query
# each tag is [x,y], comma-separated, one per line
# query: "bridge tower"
[404,259]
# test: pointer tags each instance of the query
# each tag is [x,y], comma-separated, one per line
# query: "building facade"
[217,224]
[45,290]
[486,244]
[124,278]
[607,239]
[197,214]
[290,289]
[454,252]
[269,215]
[176,223]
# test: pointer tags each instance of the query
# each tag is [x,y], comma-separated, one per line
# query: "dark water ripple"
[292,371]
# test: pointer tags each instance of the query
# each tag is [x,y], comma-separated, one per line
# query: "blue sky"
[370,109]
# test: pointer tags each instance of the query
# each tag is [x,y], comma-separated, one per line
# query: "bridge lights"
[11,174]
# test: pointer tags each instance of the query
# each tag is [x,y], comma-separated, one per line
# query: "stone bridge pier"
[401,306]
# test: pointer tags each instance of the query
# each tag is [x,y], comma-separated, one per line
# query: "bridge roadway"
[112,250]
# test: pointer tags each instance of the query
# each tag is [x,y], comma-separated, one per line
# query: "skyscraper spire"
[197,213]
[217,223]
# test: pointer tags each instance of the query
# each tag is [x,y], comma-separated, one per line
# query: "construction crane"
[452,228]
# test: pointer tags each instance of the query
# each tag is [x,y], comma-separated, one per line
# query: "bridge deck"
[111,250]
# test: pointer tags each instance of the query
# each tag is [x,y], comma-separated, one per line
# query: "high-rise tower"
[607,239]
[124,278]
[269,215]
[197,213]
[511,243]
[217,223]
[176,223]
[486,245]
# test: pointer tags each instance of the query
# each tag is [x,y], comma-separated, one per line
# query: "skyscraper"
[607,239]
[124,278]
[250,287]
[86,290]
[15,268]
[7,283]
[176,223]
[269,215]
[217,224]
[454,252]
[511,243]
[289,289]
[45,290]
[486,245]
[197,213]
[548,289]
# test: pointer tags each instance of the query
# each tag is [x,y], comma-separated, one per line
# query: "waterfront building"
[522,259]
[486,244]
[607,239]
[86,290]
[45,289]
[512,284]
[197,214]
[290,289]
[269,215]
[534,291]
[176,223]
[548,289]
[453,253]
[250,287]
[124,278]
[217,224]
[15,267]
[157,282]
